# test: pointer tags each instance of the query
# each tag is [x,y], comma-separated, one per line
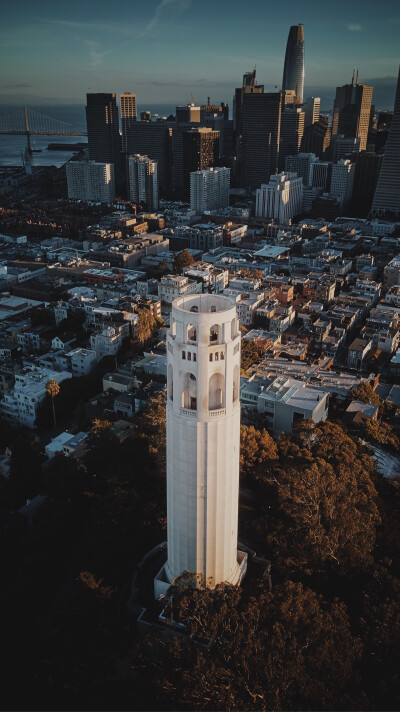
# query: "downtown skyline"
[166,50]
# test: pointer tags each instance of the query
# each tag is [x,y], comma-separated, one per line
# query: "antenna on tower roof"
[352,79]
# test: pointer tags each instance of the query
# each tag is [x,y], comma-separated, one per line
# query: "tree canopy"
[251,650]
[181,260]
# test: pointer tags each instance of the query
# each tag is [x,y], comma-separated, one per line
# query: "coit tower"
[203,441]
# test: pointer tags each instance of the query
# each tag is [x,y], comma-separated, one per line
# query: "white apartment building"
[19,405]
[247,306]
[106,342]
[91,181]
[391,273]
[82,361]
[302,165]
[287,400]
[281,198]
[143,181]
[209,189]
[342,179]
[171,287]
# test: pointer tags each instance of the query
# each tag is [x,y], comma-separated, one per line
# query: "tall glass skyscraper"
[387,194]
[293,72]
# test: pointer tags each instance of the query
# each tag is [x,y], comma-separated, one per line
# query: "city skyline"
[187,51]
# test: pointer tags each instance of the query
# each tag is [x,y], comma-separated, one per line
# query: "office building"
[91,181]
[302,165]
[249,86]
[203,441]
[317,139]
[342,146]
[293,72]
[200,150]
[128,115]
[342,178]
[368,166]
[320,174]
[291,133]
[351,111]
[189,114]
[281,198]
[311,110]
[104,140]
[209,189]
[153,139]
[143,181]
[387,194]
[261,121]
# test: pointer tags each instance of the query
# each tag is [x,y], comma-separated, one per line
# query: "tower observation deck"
[203,442]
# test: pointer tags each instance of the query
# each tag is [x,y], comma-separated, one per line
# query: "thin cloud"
[96,54]
[163,10]
[17,86]
[355,28]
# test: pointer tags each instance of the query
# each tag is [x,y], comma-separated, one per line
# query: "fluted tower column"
[203,439]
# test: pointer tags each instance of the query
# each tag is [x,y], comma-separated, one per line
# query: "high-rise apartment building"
[342,178]
[281,198]
[203,442]
[291,133]
[261,121]
[351,111]
[91,181]
[311,110]
[128,115]
[200,151]
[209,189]
[153,139]
[387,193]
[302,165]
[104,140]
[342,146]
[249,86]
[317,139]
[293,72]
[143,184]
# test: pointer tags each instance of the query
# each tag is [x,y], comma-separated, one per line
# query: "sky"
[166,50]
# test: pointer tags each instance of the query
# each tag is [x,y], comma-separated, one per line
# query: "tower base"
[162,581]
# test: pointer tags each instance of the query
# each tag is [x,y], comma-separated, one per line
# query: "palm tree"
[52,390]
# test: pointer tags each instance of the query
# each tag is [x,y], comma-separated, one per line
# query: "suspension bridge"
[29,123]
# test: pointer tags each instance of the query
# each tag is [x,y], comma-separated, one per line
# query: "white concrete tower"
[203,441]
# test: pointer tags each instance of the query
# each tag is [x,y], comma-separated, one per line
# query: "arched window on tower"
[189,392]
[191,332]
[216,391]
[215,334]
